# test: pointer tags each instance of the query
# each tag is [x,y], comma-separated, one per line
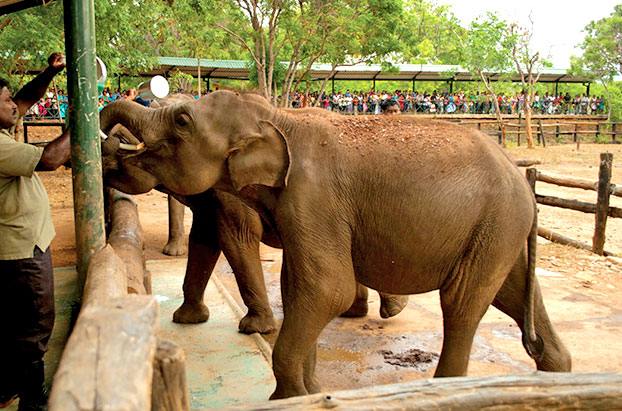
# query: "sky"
[558,24]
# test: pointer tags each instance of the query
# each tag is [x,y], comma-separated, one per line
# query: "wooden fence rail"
[601,209]
[544,130]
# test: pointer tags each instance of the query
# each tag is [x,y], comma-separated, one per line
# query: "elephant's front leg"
[315,290]
[176,244]
[203,252]
[240,232]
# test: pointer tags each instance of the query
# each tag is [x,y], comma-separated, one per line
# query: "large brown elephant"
[401,205]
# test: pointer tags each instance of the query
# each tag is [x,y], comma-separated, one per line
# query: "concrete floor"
[226,368]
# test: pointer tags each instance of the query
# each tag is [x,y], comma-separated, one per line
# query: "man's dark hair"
[4,83]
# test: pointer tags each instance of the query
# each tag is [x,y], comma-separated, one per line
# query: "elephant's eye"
[182,119]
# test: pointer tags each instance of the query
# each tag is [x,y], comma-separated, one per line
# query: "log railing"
[113,359]
[538,391]
[601,208]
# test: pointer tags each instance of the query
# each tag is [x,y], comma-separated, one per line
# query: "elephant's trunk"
[133,116]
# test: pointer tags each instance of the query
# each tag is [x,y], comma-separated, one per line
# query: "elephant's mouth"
[129,144]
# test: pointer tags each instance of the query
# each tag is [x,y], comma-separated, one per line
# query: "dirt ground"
[588,283]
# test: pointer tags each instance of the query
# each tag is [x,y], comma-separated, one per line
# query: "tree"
[529,65]
[487,48]
[429,33]
[302,31]
[28,37]
[602,54]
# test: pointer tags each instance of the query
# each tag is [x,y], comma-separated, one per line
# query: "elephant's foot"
[392,305]
[257,323]
[358,309]
[191,314]
[175,247]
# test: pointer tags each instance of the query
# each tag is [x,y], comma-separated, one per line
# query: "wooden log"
[170,391]
[541,133]
[561,239]
[540,390]
[576,205]
[106,277]
[107,363]
[577,183]
[526,162]
[126,239]
[602,203]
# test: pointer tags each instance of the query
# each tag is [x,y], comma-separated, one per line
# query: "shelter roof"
[239,69]
[10,6]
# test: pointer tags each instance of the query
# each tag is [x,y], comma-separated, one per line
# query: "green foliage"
[181,82]
[487,46]
[428,33]
[602,47]
[28,39]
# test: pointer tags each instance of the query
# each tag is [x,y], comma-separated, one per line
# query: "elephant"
[398,204]
[226,224]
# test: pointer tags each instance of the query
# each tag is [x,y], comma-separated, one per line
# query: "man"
[26,231]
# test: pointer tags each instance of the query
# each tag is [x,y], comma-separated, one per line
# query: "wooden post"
[576,138]
[614,130]
[557,133]
[542,140]
[602,204]
[532,174]
[518,131]
[597,136]
[107,363]
[170,391]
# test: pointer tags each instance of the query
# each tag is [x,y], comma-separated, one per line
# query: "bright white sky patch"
[558,24]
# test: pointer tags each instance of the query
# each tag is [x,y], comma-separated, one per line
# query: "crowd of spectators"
[448,103]
[54,104]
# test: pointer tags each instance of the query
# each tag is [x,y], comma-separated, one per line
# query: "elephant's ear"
[260,158]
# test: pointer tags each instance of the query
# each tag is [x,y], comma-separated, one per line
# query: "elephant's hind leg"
[311,299]
[391,305]
[552,355]
[466,295]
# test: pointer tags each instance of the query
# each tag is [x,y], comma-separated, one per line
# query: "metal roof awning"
[10,6]
[239,69]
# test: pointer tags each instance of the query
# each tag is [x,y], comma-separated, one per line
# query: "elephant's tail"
[533,344]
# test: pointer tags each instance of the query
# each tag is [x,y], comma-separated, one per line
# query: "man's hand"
[56,61]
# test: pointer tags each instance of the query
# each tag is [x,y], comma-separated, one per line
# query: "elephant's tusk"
[103,135]
[131,147]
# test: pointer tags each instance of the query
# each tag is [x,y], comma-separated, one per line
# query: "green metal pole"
[84,124]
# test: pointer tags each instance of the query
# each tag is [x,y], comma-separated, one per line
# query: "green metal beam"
[84,124]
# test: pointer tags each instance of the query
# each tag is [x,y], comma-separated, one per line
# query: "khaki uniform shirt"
[25,218]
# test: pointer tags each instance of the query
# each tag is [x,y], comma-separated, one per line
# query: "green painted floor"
[223,367]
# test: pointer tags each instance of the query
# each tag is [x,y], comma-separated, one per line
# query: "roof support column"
[587,89]
[556,88]
[88,198]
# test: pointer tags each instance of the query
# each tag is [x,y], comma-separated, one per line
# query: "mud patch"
[413,358]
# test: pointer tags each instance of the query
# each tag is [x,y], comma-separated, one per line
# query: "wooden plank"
[561,239]
[170,390]
[540,390]
[106,278]
[602,203]
[107,363]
